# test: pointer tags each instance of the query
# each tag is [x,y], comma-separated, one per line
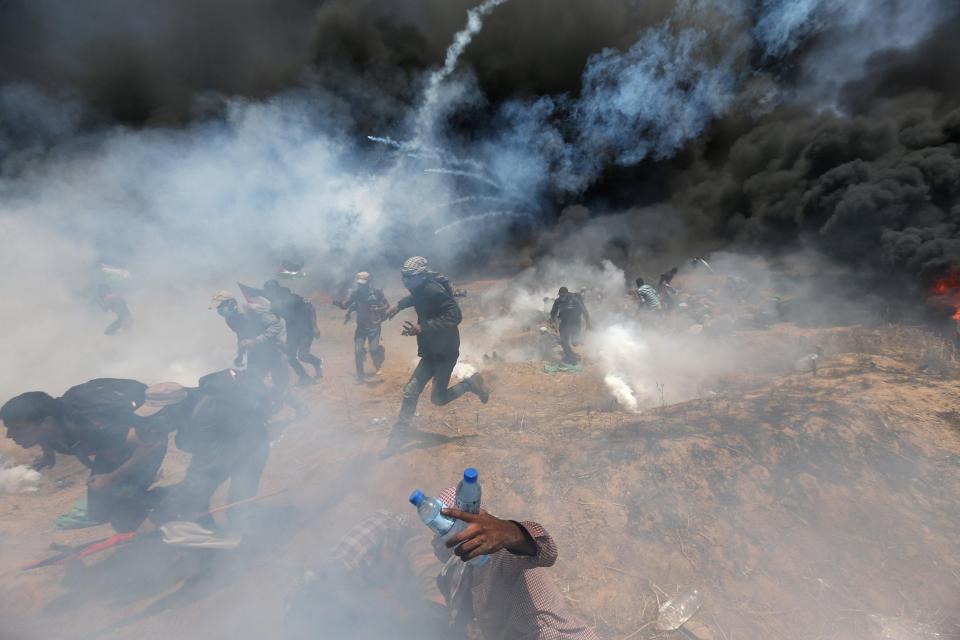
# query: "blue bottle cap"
[470,474]
[416,498]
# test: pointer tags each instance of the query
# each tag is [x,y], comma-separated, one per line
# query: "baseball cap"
[220,297]
[159,396]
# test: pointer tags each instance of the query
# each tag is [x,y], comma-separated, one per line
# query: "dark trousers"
[237,458]
[569,333]
[361,339]
[122,323]
[437,370]
[298,349]
[126,504]
[267,359]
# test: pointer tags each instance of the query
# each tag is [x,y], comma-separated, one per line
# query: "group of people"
[568,312]
[120,430]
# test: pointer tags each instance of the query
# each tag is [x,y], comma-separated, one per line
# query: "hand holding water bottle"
[486,534]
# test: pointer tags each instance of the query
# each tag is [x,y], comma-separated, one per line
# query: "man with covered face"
[438,340]
[261,339]
[569,309]
[370,305]
[300,320]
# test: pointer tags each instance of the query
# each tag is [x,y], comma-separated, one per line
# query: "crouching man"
[96,423]
[510,596]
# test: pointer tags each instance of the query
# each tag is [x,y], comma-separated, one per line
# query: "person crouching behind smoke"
[569,309]
[438,341]
[510,596]
[222,424]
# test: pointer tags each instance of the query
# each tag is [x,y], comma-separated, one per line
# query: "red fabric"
[112,541]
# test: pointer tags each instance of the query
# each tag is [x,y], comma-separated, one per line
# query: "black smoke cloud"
[151,61]
[139,61]
[766,124]
[875,186]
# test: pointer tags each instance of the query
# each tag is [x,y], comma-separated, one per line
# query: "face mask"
[412,282]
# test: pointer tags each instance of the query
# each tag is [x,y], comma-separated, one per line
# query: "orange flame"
[945,292]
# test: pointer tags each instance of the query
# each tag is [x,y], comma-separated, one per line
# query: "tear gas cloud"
[353,131]
[646,364]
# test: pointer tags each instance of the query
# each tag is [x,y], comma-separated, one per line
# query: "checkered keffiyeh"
[512,597]
[414,266]
[359,549]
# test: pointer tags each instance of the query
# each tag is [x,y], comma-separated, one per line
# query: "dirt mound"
[800,504]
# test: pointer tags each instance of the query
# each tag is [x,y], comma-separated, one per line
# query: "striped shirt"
[648,297]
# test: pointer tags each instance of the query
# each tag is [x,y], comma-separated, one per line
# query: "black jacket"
[438,315]
[298,314]
[570,308]
[370,305]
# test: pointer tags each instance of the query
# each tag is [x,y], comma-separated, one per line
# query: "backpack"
[104,398]
[226,404]
[444,282]
[102,409]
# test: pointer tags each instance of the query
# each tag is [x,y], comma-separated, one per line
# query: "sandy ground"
[799,504]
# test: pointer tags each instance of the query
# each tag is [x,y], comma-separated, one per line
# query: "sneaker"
[475,382]
[379,373]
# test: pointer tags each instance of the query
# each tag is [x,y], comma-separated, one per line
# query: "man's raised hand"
[486,534]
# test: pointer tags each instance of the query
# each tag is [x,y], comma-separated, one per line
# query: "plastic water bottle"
[675,612]
[428,509]
[468,500]
[468,491]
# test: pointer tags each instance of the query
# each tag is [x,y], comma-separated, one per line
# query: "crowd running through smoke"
[664,210]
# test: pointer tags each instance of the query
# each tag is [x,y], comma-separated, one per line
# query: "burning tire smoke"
[809,149]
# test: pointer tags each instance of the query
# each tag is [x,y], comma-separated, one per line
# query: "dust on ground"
[800,504]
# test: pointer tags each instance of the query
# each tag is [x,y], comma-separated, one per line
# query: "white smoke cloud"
[654,98]
[17,478]
[851,32]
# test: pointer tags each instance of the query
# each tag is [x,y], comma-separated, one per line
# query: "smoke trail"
[783,23]
[466,174]
[390,142]
[483,216]
[653,98]
[426,115]
[465,199]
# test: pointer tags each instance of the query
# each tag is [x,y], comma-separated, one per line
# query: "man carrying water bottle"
[438,341]
[509,596]
[512,595]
